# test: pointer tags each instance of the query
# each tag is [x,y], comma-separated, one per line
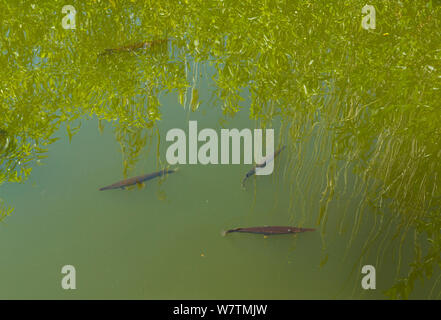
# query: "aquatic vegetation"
[4,211]
[370,98]
[144,45]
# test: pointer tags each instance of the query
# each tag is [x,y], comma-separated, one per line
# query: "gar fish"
[137,180]
[267,160]
[270,230]
[133,47]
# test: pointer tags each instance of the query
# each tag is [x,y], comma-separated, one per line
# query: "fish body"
[271,230]
[137,180]
[268,159]
[133,47]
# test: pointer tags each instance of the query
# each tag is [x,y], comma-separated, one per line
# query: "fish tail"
[105,188]
[232,230]
[306,229]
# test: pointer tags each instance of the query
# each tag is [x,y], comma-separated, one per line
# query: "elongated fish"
[267,160]
[132,47]
[137,180]
[271,230]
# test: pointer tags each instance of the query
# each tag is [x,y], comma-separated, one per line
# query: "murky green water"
[361,164]
[165,241]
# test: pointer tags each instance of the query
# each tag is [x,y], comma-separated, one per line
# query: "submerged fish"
[132,47]
[137,180]
[270,230]
[267,160]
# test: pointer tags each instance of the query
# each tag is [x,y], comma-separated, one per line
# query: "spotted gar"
[137,180]
[267,160]
[270,230]
[139,45]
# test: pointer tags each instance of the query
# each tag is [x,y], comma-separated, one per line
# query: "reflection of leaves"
[161,195]
[152,46]
[376,98]
[72,131]
[194,99]
[4,211]
[101,126]
[182,97]
[5,142]
[132,142]
[324,261]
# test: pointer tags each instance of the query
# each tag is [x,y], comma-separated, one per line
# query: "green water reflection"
[357,109]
